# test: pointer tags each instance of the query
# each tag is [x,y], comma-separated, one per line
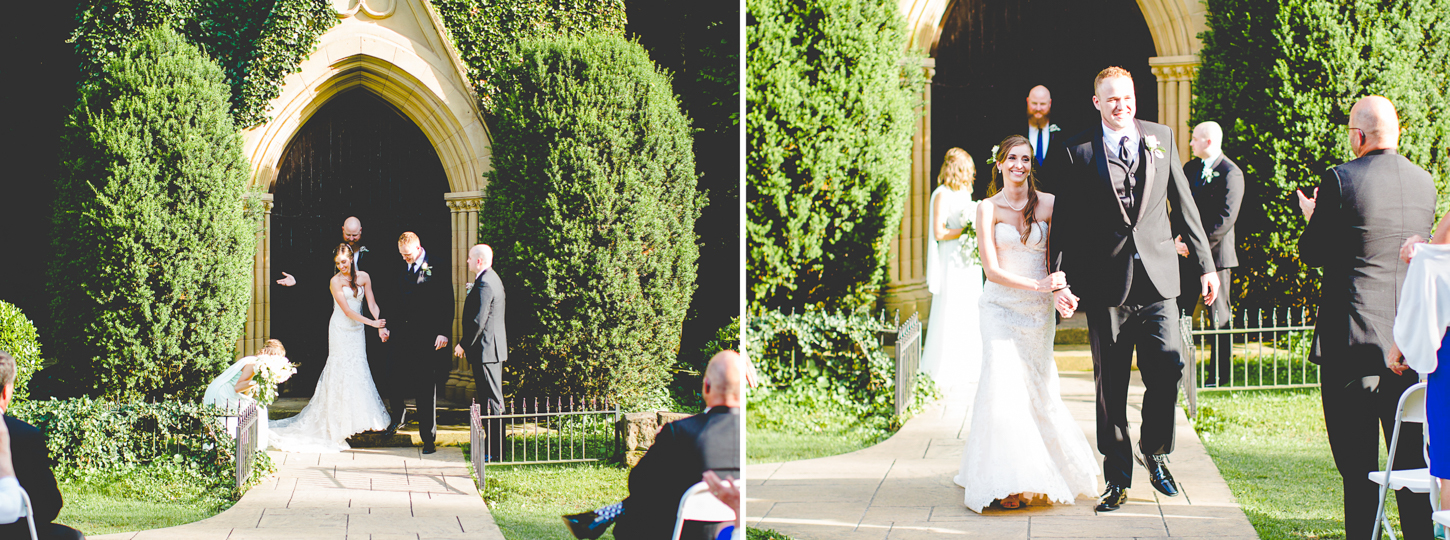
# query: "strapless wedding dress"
[346,401]
[1022,437]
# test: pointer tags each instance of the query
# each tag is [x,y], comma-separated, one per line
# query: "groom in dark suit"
[418,322]
[483,341]
[1360,214]
[1122,193]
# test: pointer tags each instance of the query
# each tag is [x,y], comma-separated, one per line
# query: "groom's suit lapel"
[1151,165]
[1100,155]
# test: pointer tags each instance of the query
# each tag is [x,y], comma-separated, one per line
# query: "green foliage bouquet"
[270,372]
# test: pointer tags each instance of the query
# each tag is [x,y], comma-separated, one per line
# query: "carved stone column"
[259,313]
[1175,96]
[906,272]
[464,206]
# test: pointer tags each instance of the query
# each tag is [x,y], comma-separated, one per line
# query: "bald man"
[1360,214]
[1043,134]
[483,341]
[1218,189]
[351,235]
[682,452]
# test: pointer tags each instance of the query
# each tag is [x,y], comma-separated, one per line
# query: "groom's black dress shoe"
[1158,474]
[1114,497]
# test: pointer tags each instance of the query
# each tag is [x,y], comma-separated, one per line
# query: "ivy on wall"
[256,42]
[486,33]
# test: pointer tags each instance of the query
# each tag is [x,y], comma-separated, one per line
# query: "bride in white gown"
[346,401]
[953,356]
[1023,443]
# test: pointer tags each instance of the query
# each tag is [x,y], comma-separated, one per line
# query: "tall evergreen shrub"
[153,252]
[590,209]
[829,119]
[1281,77]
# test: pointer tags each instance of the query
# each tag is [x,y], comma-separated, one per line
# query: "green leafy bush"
[19,338]
[486,33]
[831,97]
[591,209]
[1281,77]
[257,42]
[152,274]
[94,438]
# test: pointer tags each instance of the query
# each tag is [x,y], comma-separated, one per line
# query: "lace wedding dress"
[1022,438]
[346,401]
[953,351]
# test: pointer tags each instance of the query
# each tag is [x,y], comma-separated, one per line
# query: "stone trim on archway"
[398,50]
[1175,26]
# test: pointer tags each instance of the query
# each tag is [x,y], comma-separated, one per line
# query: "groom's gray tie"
[1123,149]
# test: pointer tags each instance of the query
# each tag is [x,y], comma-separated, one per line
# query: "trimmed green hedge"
[830,114]
[591,209]
[19,338]
[1280,77]
[152,274]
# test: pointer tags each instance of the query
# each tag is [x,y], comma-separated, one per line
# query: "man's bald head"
[1207,140]
[1039,106]
[352,231]
[724,378]
[480,256]
[1379,126]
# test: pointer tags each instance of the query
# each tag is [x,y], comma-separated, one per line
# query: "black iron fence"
[908,361]
[543,430]
[246,443]
[1254,351]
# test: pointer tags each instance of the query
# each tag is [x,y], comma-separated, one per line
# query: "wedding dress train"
[346,401]
[1022,437]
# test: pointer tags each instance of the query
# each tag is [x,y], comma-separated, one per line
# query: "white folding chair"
[29,513]
[1410,409]
[698,504]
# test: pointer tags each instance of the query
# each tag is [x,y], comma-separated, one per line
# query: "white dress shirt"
[413,267]
[1111,138]
[11,507]
[1424,309]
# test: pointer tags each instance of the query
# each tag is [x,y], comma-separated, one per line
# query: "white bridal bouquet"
[272,371]
[968,252]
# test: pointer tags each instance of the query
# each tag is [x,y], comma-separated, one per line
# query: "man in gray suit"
[483,341]
[1359,216]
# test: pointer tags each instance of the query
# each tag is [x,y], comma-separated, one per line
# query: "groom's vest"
[1119,173]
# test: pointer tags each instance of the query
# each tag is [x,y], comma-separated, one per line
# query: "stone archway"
[399,51]
[1174,25]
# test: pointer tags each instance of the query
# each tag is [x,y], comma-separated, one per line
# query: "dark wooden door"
[358,156]
[992,52]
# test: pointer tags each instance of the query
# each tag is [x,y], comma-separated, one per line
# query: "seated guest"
[12,508]
[1420,340]
[32,464]
[682,452]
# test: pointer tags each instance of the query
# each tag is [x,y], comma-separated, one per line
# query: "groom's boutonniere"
[1052,128]
[424,269]
[1153,146]
[363,249]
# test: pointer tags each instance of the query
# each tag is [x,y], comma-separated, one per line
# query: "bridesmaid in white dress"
[953,354]
[1023,443]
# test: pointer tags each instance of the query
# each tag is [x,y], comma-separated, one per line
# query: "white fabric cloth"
[1022,438]
[12,508]
[222,392]
[952,353]
[1424,309]
[1112,138]
[346,401]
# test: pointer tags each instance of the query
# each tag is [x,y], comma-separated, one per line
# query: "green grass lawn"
[782,425]
[528,500]
[1272,449]
[149,497]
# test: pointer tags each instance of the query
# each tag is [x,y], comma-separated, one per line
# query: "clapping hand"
[1306,204]
[1407,249]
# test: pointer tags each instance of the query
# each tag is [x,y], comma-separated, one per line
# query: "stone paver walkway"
[902,488]
[361,494]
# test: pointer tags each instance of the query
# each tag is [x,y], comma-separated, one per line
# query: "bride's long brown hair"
[1029,212]
[351,265]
